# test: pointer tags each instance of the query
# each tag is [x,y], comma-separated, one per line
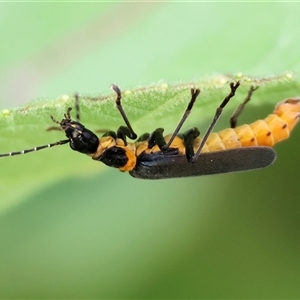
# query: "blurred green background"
[73,228]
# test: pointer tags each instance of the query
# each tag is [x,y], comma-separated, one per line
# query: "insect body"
[154,156]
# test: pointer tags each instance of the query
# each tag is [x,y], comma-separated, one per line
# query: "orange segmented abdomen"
[273,129]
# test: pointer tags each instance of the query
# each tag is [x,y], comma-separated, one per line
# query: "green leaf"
[147,108]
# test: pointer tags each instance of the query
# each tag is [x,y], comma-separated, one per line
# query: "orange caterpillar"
[273,129]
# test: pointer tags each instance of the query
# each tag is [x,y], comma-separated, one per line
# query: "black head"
[81,139]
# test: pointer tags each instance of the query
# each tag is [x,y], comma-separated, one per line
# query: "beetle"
[154,156]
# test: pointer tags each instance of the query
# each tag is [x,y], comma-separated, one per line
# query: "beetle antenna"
[62,142]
